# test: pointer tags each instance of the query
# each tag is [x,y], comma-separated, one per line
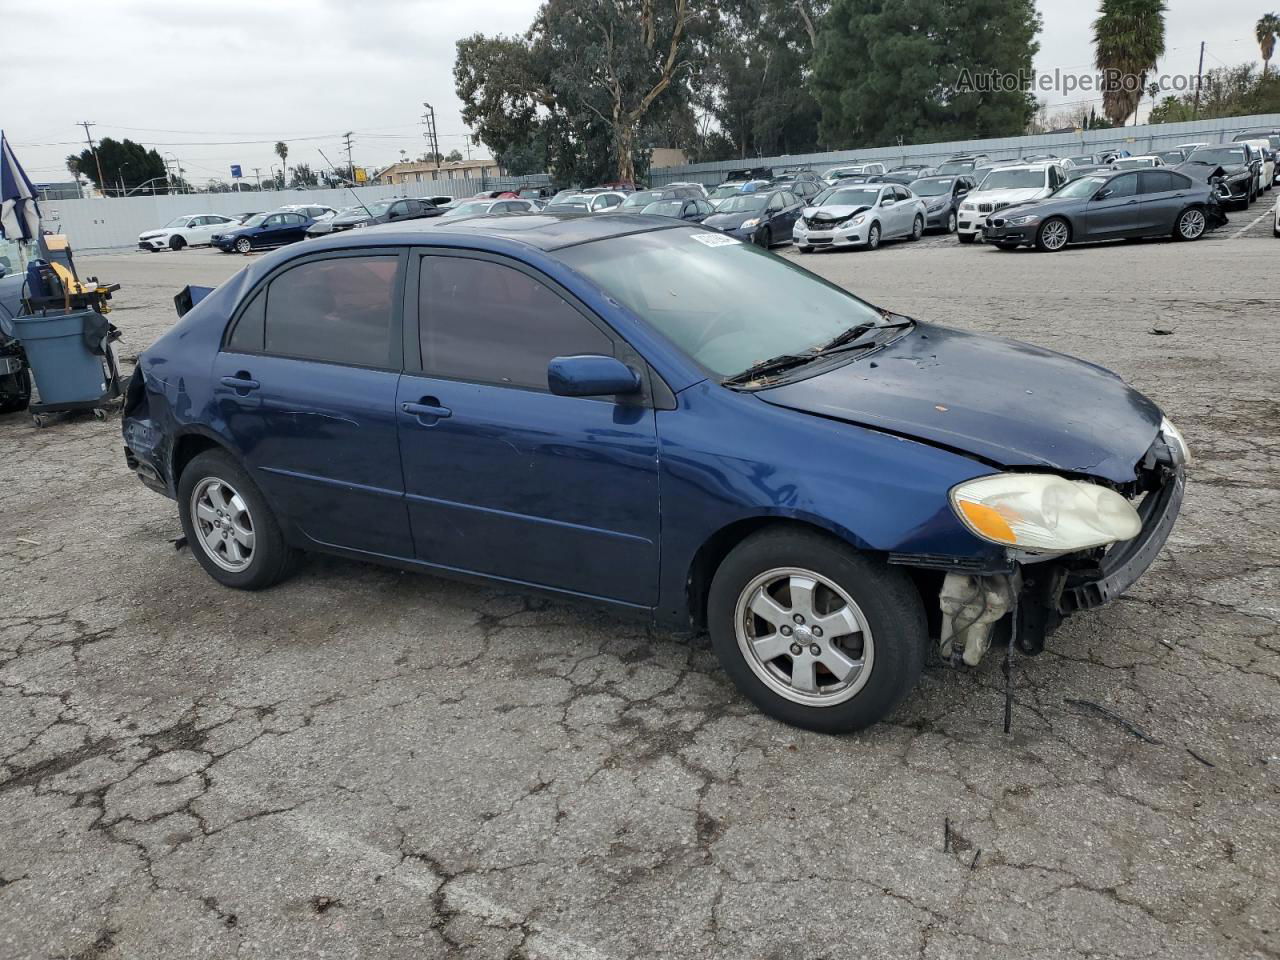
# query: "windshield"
[1218,156]
[849,197]
[255,220]
[469,209]
[743,203]
[642,199]
[726,304]
[720,193]
[180,222]
[956,166]
[932,188]
[1012,180]
[1084,187]
[567,206]
[665,208]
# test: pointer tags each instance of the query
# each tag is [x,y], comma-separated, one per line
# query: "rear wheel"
[1054,234]
[176,244]
[1191,224]
[814,633]
[228,525]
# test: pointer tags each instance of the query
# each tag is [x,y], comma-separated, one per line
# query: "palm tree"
[282,151]
[1266,30]
[1128,39]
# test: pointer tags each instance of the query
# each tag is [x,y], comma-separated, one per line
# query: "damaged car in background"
[609,409]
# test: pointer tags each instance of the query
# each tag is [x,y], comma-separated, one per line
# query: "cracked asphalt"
[369,764]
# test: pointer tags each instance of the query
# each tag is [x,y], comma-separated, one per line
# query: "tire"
[213,479]
[966,237]
[20,393]
[951,222]
[917,229]
[1053,235]
[244,245]
[1190,225]
[873,237]
[765,238]
[176,244]
[883,652]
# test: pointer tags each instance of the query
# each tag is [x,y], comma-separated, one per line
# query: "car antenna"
[345,184]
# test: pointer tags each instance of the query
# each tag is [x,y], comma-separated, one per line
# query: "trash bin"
[69,358]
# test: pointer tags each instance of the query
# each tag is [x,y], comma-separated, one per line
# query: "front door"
[502,477]
[1116,210]
[306,388]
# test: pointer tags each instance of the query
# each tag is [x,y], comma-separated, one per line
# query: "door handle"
[428,410]
[241,383]
[1132,202]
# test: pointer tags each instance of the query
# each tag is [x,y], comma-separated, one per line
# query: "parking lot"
[365,763]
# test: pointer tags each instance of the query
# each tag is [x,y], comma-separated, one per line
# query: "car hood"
[833,212]
[1020,195]
[1205,172]
[1008,403]
[151,234]
[731,221]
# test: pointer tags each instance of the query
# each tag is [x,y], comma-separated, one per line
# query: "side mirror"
[591,376]
[888,202]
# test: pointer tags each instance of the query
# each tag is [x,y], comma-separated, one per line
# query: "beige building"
[419,171]
[667,157]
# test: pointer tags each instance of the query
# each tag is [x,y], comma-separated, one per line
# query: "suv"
[1004,187]
[963,163]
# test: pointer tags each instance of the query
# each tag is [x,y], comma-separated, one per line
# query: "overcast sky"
[216,83]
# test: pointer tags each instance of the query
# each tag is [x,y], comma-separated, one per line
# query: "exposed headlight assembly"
[1176,442]
[1043,513]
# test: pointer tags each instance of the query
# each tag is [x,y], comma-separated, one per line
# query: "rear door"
[306,387]
[1116,210]
[504,478]
[1162,200]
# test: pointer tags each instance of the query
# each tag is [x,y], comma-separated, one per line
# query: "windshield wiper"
[845,342]
[851,338]
[765,367]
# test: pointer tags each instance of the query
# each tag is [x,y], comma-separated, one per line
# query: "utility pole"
[1199,76]
[351,167]
[92,149]
[257,178]
[429,118]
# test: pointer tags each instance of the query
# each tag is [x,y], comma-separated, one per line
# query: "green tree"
[453,156]
[123,162]
[303,176]
[1265,31]
[1239,91]
[282,151]
[1128,39]
[585,79]
[921,70]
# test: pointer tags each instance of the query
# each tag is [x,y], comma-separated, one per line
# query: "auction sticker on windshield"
[715,239]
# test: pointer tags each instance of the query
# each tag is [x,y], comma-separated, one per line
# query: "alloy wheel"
[1191,224]
[873,236]
[951,223]
[243,245]
[1054,235]
[223,524]
[804,637]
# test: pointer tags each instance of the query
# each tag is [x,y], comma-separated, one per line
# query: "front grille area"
[814,224]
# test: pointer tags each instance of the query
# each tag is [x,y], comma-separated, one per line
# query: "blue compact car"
[664,419]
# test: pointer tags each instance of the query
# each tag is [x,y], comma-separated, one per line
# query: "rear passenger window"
[338,310]
[249,332]
[488,323]
[1156,181]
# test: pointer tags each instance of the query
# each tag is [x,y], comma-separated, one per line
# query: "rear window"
[337,311]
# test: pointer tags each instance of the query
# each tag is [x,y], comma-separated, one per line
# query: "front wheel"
[765,238]
[243,245]
[228,525]
[814,633]
[176,244]
[917,229]
[951,223]
[1053,235]
[1191,224]
[873,237]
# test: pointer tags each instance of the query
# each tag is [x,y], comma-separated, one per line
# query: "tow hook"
[970,608]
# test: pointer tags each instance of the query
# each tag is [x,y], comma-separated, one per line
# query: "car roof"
[540,231]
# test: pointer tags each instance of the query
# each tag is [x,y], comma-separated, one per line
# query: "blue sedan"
[263,230]
[663,419]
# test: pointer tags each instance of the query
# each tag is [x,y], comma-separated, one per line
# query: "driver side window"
[1125,186]
[775,203]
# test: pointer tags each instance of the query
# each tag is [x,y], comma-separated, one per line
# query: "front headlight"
[748,224]
[1176,442]
[1044,513]
[857,221]
[937,205]
[1019,221]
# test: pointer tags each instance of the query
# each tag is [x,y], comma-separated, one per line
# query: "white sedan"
[860,216]
[192,230]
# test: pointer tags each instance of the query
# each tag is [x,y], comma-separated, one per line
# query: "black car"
[1121,205]
[942,196]
[692,210]
[765,217]
[379,211]
[965,163]
[1231,169]
[803,184]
